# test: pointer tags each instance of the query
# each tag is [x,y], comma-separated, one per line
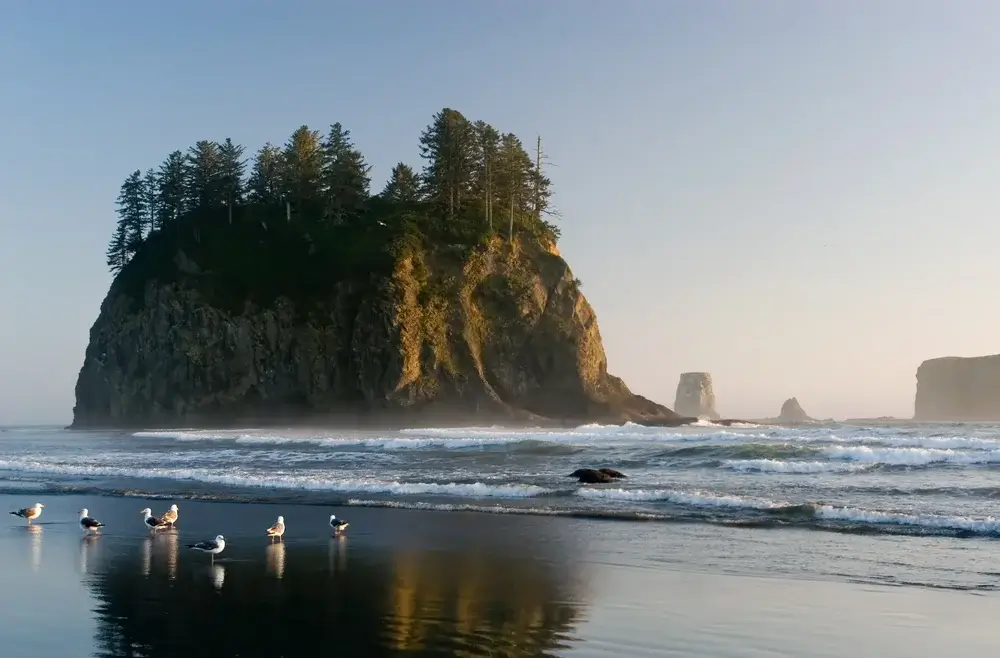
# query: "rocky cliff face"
[496,332]
[957,388]
[695,396]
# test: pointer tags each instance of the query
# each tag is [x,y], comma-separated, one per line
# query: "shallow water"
[423,583]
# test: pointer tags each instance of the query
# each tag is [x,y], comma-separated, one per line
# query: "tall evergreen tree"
[151,190]
[172,200]
[132,213]
[514,178]
[487,147]
[403,185]
[346,180]
[303,168]
[204,175]
[116,255]
[268,175]
[448,146]
[233,170]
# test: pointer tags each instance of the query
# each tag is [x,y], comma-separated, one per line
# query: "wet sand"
[417,583]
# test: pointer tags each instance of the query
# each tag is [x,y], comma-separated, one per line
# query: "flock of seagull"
[167,520]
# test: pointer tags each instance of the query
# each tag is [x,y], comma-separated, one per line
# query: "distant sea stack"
[695,396]
[292,295]
[956,388]
[792,412]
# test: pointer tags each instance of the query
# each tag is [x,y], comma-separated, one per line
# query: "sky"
[797,197]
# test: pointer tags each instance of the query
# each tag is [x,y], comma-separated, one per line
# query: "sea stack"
[792,412]
[958,389]
[695,396]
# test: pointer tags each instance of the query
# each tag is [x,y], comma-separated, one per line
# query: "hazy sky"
[799,197]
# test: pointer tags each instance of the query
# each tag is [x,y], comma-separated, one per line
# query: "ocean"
[722,541]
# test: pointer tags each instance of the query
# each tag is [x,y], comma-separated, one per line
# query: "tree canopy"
[475,182]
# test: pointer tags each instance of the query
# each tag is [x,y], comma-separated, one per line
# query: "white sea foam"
[690,498]
[269,479]
[987,524]
[790,466]
[910,456]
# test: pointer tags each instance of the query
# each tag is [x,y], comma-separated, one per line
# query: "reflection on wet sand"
[218,575]
[35,531]
[275,559]
[382,603]
[88,552]
[146,556]
[337,554]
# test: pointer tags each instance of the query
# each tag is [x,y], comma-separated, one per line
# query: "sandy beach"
[406,582]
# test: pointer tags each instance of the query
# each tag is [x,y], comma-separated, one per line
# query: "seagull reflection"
[146,555]
[169,541]
[338,553]
[218,575]
[276,559]
[36,545]
[88,551]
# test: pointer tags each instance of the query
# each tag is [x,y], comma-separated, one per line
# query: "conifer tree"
[540,184]
[403,185]
[346,180]
[486,161]
[232,171]
[303,170]
[448,146]
[132,213]
[150,189]
[267,176]
[514,177]
[171,190]
[116,255]
[204,175]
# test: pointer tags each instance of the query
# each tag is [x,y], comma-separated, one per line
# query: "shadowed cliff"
[958,389]
[402,320]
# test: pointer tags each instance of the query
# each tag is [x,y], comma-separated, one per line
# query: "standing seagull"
[277,529]
[87,523]
[212,546]
[170,516]
[337,524]
[151,521]
[30,513]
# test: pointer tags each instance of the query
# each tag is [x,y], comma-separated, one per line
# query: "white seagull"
[151,521]
[212,546]
[337,524]
[277,529]
[170,516]
[30,513]
[87,523]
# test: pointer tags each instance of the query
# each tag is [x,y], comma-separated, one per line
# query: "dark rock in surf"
[595,476]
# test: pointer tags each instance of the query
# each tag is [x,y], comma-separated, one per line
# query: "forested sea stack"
[293,294]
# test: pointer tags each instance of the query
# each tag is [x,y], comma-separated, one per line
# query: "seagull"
[151,521]
[30,513]
[170,516]
[212,546]
[277,529]
[87,523]
[337,524]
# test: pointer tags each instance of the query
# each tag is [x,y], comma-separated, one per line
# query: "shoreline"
[363,423]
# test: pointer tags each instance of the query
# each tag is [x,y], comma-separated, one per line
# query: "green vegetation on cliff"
[291,293]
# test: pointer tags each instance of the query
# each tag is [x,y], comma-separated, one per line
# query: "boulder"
[695,396]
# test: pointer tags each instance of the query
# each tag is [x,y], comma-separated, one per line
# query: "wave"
[798,467]
[910,456]
[286,481]
[689,498]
